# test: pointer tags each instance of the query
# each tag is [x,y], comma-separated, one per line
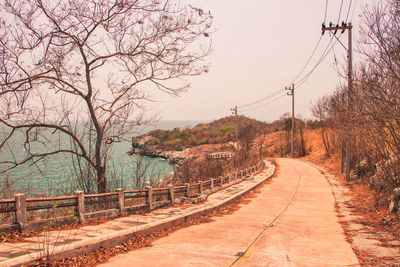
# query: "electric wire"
[280,90]
[326,51]
[348,10]
[323,56]
[315,48]
[340,12]
[326,10]
[263,99]
[302,80]
[308,61]
[283,89]
[305,77]
[354,10]
[260,106]
[271,224]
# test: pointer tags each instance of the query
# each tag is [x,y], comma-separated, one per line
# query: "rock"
[395,201]
[146,146]
[361,170]
[178,200]
[378,180]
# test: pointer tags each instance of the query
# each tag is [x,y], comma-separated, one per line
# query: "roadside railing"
[220,155]
[32,214]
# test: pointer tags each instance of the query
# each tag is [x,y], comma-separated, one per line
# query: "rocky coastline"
[144,146]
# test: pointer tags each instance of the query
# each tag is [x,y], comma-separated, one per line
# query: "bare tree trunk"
[342,158]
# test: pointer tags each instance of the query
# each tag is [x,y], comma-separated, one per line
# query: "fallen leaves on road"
[138,241]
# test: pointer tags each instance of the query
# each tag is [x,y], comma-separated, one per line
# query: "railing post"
[212,184]
[187,190]
[201,187]
[80,206]
[20,213]
[121,201]
[229,179]
[171,194]
[149,199]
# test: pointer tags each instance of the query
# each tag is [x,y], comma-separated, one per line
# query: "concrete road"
[292,222]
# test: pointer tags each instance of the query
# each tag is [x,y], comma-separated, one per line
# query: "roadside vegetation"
[368,114]
[218,136]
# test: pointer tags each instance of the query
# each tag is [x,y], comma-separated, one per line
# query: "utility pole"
[291,92]
[235,112]
[349,28]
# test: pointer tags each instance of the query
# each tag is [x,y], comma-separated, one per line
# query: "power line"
[262,99]
[348,10]
[326,9]
[354,9]
[305,77]
[340,12]
[326,51]
[324,54]
[316,46]
[264,104]
[281,90]
[308,61]
[300,82]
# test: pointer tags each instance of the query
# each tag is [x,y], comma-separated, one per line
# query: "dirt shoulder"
[372,231]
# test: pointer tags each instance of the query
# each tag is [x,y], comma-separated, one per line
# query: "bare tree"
[321,110]
[83,69]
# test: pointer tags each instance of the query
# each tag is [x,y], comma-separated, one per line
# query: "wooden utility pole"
[291,92]
[334,29]
[235,112]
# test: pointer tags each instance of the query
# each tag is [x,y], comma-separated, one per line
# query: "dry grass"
[372,206]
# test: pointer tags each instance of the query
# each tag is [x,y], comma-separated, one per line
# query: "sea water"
[56,175]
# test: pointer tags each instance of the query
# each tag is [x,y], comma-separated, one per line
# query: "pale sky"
[259,47]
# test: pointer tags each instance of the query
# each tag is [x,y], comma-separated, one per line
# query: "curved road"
[291,222]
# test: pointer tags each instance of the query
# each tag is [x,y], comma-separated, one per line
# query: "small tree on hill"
[69,61]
